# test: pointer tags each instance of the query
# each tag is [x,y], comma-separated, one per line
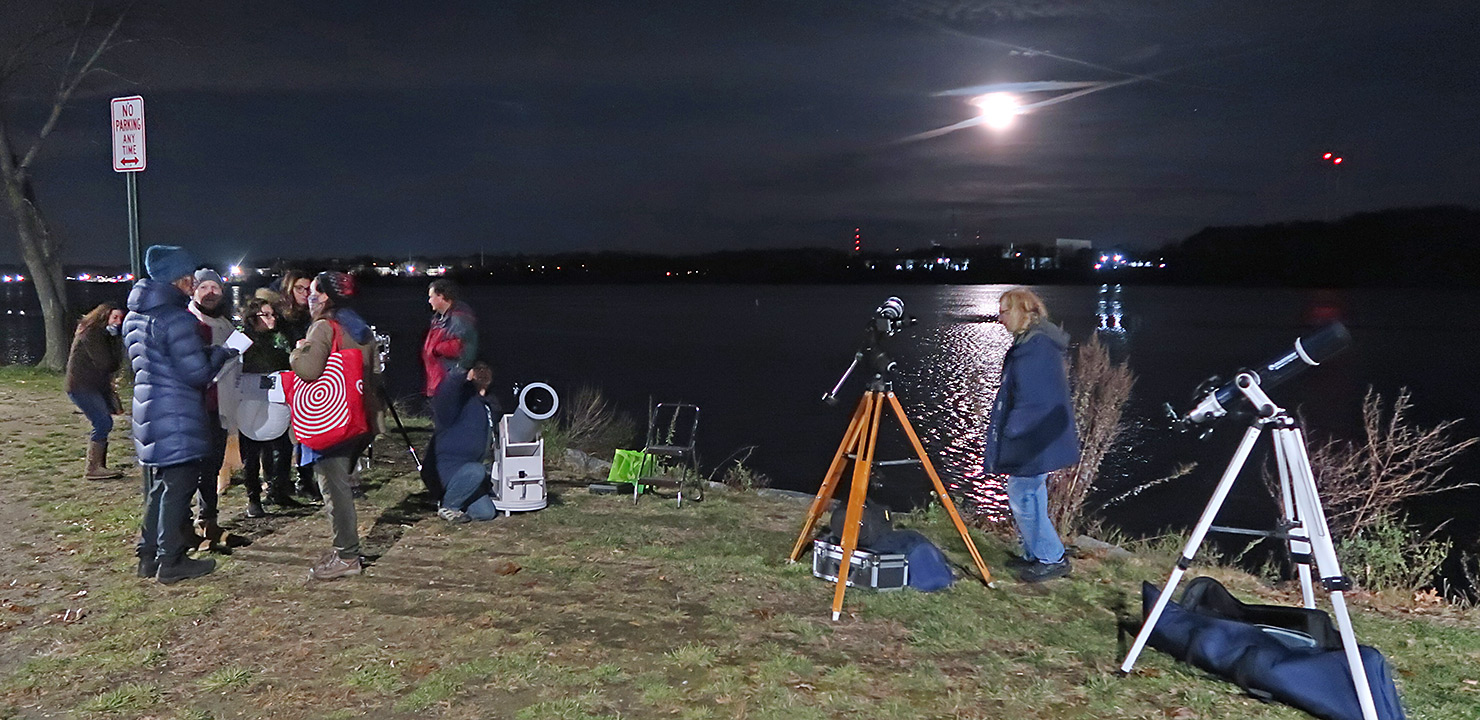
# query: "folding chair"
[671,433]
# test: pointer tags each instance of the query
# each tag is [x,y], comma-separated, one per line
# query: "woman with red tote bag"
[337,327]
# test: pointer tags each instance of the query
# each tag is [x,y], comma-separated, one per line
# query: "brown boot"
[97,462]
[215,537]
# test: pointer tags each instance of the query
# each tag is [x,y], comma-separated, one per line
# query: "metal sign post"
[129,157]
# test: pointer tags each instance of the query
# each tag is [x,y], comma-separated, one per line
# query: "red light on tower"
[1335,161]
[857,239]
[1327,156]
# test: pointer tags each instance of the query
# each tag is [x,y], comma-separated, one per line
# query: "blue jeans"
[1028,498]
[167,492]
[95,407]
[467,488]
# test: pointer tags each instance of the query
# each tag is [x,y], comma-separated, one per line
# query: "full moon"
[998,110]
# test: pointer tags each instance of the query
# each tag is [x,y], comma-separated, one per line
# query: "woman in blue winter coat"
[1032,429]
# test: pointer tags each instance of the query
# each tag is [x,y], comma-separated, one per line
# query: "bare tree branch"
[70,81]
[1366,483]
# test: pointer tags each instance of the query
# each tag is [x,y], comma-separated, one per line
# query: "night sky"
[314,128]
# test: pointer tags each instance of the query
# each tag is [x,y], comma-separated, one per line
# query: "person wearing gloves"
[1032,432]
[172,431]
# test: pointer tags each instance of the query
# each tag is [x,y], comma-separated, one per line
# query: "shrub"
[1388,554]
[591,423]
[743,477]
[1099,391]
[1365,483]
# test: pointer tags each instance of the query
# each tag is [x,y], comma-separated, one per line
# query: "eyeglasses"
[300,288]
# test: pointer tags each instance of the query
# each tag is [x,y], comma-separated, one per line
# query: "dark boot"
[184,568]
[148,566]
[254,497]
[306,485]
[279,484]
[97,462]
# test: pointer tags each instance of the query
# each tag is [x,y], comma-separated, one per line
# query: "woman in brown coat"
[328,300]
[97,353]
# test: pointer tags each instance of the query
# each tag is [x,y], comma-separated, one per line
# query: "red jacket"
[452,342]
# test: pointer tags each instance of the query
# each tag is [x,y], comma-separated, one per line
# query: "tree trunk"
[43,259]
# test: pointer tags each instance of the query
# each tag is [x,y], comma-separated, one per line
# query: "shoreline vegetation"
[595,607]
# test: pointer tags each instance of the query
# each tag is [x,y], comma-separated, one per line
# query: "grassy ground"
[592,608]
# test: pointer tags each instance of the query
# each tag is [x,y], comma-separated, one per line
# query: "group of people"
[187,403]
[175,334]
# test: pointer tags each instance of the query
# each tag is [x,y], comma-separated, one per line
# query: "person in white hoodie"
[209,305]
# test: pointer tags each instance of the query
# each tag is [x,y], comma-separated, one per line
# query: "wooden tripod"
[858,443]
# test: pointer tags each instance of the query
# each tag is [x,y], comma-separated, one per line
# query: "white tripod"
[1306,522]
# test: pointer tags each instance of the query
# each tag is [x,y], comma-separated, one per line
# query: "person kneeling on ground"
[467,417]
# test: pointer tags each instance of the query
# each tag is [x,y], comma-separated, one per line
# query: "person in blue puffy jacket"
[1032,429]
[172,367]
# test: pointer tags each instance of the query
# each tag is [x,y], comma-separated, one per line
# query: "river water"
[757,360]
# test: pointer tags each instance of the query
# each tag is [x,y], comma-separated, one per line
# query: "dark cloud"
[290,127]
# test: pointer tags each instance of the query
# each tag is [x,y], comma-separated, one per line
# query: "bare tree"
[80,44]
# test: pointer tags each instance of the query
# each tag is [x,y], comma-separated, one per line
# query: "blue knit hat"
[169,262]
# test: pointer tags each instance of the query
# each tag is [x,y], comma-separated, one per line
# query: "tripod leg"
[856,496]
[1298,536]
[830,481]
[940,488]
[1314,519]
[1193,542]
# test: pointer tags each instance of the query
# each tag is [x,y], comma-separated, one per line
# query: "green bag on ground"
[629,466]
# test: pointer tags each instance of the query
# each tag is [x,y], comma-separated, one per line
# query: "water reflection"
[1110,310]
[22,334]
[17,330]
[950,389]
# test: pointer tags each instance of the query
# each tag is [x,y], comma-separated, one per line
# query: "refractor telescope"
[1215,398]
[888,319]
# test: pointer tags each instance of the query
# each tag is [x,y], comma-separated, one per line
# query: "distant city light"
[998,110]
